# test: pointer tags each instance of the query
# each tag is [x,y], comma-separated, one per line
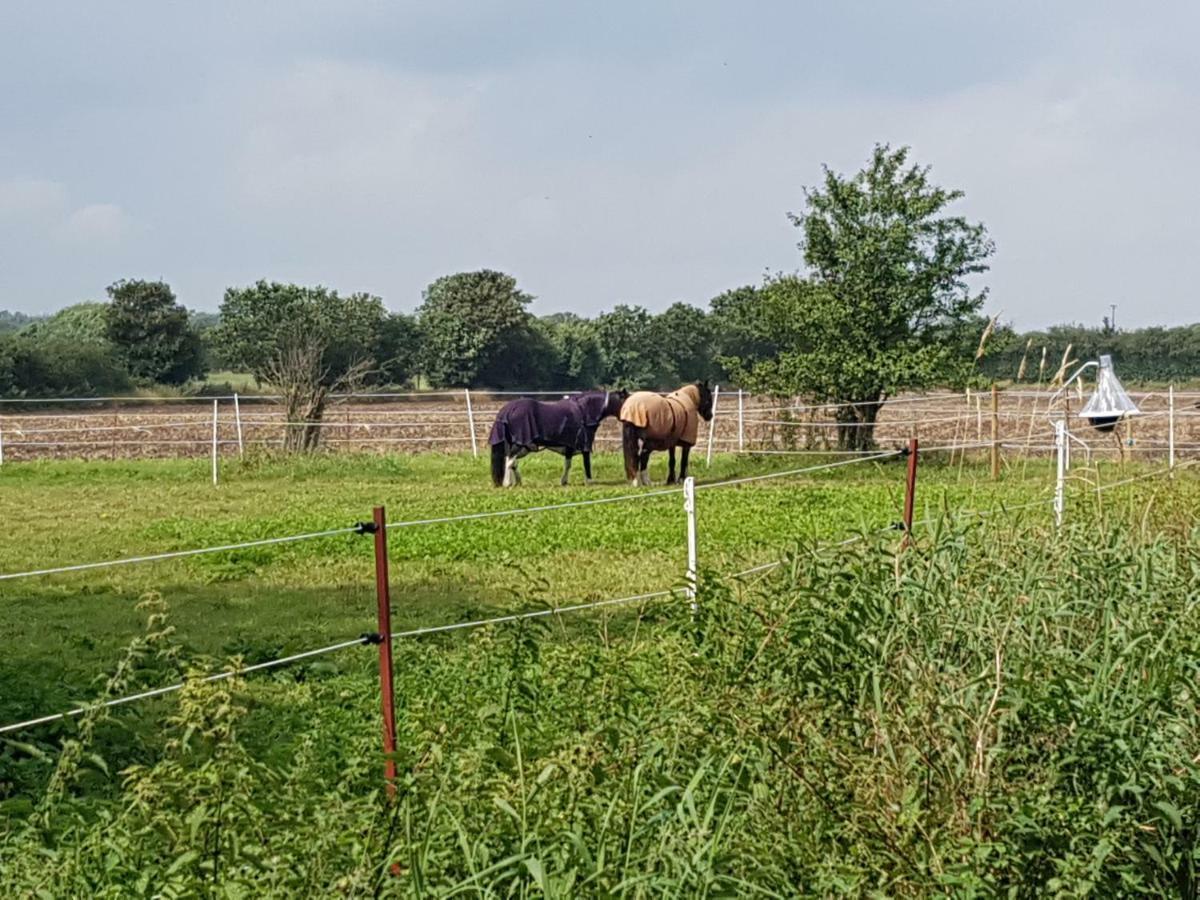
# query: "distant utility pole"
[1112,322]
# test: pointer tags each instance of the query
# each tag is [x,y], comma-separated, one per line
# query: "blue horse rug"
[567,424]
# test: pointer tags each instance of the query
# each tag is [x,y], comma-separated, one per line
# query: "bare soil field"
[441,423]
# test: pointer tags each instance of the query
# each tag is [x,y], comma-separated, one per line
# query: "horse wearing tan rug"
[650,422]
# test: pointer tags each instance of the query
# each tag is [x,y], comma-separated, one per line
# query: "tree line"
[889,300]
[472,330]
[1154,354]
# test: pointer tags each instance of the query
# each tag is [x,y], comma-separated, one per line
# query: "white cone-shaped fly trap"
[1110,403]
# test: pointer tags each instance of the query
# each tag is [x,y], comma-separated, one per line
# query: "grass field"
[266,601]
[515,741]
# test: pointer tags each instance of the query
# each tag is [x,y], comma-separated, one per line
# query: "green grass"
[59,632]
[835,726]
[242,382]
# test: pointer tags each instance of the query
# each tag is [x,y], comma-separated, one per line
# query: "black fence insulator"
[372,637]
[897,526]
[365,527]
[905,451]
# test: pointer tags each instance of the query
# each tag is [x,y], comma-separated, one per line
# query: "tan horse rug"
[675,417]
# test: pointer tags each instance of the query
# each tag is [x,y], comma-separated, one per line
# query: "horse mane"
[690,393]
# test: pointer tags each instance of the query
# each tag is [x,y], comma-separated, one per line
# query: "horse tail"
[499,454]
[629,443]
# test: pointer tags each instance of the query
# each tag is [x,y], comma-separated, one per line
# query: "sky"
[603,153]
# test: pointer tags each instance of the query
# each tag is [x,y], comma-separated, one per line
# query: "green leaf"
[184,859]
[1169,810]
[534,865]
[507,807]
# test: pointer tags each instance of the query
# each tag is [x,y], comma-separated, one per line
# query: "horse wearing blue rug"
[567,426]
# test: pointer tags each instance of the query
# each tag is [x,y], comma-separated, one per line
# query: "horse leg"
[629,450]
[521,454]
[587,467]
[512,475]
[643,466]
[684,451]
[670,465]
[566,468]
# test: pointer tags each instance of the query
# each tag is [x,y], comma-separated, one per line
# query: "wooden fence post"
[386,687]
[910,489]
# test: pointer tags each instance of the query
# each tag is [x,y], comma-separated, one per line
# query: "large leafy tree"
[886,295]
[740,335]
[398,350]
[66,354]
[578,362]
[687,337]
[468,322]
[152,334]
[632,345]
[83,323]
[52,364]
[14,321]
[307,342]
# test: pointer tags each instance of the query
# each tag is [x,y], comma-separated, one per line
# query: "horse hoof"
[588,481]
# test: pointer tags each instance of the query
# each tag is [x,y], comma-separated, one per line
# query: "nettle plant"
[996,709]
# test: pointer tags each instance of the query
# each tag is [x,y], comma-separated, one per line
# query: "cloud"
[31,200]
[95,225]
[40,207]
[371,147]
[328,135]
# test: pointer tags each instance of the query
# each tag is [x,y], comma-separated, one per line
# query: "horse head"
[599,405]
[613,401]
[706,400]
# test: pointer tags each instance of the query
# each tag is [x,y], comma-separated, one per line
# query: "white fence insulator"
[471,424]
[712,425]
[689,510]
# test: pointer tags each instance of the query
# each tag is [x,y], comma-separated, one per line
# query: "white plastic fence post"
[214,443]
[689,509]
[237,415]
[471,424]
[712,425]
[1060,448]
[741,425]
[1170,429]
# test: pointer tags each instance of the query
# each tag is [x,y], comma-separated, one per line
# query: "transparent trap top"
[1110,402]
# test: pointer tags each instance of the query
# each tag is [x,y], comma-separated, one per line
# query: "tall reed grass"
[998,709]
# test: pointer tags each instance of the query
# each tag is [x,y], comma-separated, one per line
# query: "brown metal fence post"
[995,433]
[383,594]
[910,489]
